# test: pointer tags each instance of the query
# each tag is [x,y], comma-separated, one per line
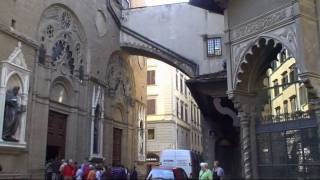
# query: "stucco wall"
[181,28]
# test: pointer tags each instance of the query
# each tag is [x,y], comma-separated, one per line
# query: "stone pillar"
[2,106]
[245,145]
[314,104]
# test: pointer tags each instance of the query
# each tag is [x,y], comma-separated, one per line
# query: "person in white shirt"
[217,171]
[79,173]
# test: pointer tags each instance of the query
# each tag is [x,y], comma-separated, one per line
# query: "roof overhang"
[216,6]
[205,87]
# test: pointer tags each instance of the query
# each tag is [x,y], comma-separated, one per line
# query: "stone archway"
[264,82]
[252,62]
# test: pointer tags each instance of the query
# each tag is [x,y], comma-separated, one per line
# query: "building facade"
[173,117]
[67,89]
[273,82]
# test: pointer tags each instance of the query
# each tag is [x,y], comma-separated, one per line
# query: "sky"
[158,2]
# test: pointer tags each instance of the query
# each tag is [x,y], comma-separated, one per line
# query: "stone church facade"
[82,95]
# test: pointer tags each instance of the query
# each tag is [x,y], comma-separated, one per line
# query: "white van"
[184,159]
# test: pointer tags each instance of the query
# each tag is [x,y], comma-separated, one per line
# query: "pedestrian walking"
[134,174]
[55,169]
[68,170]
[79,173]
[49,170]
[92,173]
[217,171]
[106,174]
[205,173]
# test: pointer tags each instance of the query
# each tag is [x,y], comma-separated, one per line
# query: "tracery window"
[66,19]
[63,41]
[50,31]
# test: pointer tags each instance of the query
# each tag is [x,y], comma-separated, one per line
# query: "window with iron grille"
[151,77]
[214,46]
[151,106]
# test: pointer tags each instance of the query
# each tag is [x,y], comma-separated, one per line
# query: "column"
[245,145]
[2,98]
[2,106]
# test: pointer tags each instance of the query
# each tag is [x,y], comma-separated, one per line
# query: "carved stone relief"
[286,36]
[141,132]
[120,79]
[262,23]
[62,42]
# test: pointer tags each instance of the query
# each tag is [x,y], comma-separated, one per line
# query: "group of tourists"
[69,170]
[206,174]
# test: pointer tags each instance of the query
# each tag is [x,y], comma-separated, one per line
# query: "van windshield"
[160,174]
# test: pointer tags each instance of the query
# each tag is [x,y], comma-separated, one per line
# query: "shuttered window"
[151,77]
[151,106]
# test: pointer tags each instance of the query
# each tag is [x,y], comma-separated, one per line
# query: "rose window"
[50,31]
[66,19]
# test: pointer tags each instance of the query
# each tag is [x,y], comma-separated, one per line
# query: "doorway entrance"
[116,154]
[56,135]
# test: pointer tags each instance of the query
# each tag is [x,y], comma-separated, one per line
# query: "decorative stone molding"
[97,116]
[63,40]
[141,124]
[226,111]
[119,80]
[286,38]
[263,22]
[15,71]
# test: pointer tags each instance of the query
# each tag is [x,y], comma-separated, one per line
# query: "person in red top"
[85,169]
[68,170]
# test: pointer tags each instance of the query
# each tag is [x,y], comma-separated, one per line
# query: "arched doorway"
[278,126]
[57,122]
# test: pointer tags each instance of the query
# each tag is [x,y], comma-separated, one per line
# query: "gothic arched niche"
[119,78]
[14,81]
[59,94]
[63,41]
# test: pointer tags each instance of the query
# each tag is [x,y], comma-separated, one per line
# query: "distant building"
[288,95]
[173,117]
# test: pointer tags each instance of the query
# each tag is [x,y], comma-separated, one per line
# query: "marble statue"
[12,114]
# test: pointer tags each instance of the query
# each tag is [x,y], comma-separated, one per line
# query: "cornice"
[23,38]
